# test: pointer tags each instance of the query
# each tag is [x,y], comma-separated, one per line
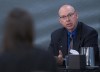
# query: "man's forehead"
[66,8]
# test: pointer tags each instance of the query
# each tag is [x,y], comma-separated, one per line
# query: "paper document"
[74,52]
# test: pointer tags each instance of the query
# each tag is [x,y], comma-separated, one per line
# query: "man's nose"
[67,19]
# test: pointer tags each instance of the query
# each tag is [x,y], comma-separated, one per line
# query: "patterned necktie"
[71,42]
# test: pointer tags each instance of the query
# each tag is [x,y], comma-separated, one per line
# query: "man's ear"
[77,15]
[59,21]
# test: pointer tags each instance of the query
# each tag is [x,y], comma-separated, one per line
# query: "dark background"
[45,13]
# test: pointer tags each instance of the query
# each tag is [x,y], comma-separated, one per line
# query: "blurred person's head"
[68,17]
[19,29]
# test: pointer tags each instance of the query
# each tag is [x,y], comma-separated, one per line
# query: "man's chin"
[70,29]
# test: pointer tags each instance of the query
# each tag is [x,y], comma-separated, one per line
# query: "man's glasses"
[67,16]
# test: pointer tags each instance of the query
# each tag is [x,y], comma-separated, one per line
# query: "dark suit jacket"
[86,37]
[27,59]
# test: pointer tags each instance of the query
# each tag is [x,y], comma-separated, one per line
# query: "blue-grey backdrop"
[45,13]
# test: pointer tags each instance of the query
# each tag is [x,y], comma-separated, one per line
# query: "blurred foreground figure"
[19,54]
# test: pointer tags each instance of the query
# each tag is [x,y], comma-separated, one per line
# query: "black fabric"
[86,37]
[31,60]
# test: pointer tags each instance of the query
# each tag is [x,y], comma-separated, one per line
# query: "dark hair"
[19,28]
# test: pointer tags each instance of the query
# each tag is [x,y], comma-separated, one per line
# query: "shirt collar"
[73,33]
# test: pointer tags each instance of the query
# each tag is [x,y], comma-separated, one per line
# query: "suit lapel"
[63,45]
[77,40]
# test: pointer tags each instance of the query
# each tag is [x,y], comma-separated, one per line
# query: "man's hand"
[60,58]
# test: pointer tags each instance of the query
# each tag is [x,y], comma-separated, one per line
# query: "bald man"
[82,34]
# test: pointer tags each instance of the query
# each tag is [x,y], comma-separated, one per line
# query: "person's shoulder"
[86,28]
[40,52]
[4,55]
[43,59]
[5,59]
[58,32]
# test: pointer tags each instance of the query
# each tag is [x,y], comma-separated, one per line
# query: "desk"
[79,70]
